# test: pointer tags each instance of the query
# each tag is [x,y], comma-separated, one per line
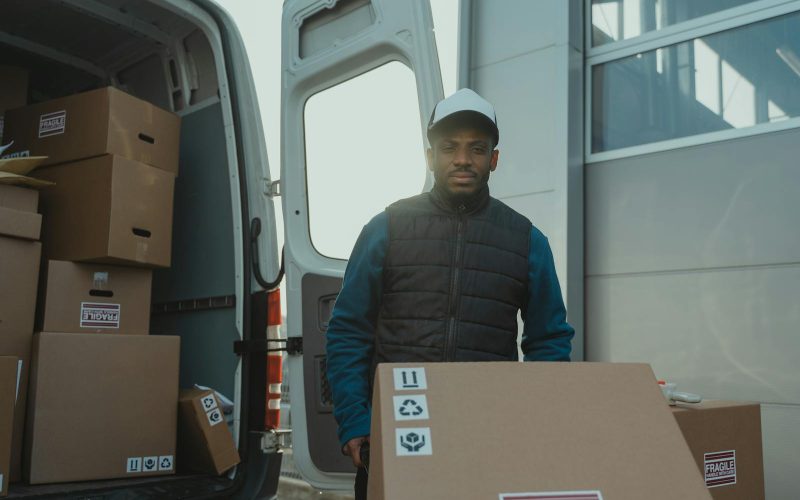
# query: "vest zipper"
[452,309]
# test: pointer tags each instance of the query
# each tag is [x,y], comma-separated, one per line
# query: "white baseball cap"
[461,103]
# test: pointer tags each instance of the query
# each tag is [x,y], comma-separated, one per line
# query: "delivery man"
[441,276]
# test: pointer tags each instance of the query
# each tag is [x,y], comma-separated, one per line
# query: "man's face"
[461,161]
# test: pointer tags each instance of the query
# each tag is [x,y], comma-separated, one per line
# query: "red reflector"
[274,307]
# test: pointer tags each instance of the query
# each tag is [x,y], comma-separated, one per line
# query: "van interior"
[155,52]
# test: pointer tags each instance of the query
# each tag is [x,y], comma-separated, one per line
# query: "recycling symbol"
[410,408]
[412,442]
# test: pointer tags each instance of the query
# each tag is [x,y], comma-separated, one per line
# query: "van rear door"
[360,78]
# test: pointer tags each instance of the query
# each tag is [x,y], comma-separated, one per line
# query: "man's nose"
[462,157]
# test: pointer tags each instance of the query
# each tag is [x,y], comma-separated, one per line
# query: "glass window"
[364,151]
[614,20]
[729,80]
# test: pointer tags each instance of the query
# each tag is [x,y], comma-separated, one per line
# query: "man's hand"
[353,449]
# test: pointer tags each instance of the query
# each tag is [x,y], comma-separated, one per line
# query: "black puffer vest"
[453,280]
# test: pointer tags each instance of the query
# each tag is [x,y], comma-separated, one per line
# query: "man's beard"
[458,198]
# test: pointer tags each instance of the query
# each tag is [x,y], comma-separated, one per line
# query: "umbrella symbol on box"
[412,441]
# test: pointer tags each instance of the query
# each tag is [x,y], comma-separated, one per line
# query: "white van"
[187,56]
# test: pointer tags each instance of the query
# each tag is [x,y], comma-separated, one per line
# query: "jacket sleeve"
[546,336]
[351,331]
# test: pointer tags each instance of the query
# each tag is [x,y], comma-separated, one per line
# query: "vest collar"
[466,206]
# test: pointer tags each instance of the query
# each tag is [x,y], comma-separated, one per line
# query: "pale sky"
[401,162]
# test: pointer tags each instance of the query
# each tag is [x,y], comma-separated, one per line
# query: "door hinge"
[294,345]
[273,188]
[275,440]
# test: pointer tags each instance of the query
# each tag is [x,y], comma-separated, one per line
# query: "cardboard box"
[101,406]
[95,298]
[9,380]
[94,123]
[725,439]
[19,269]
[13,91]
[512,430]
[205,444]
[18,216]
[108,209]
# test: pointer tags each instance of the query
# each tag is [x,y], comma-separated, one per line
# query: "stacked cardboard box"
[9,382]
[19,274]
[103,392]
[725,439]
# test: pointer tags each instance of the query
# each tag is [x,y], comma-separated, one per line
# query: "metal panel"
[781,442]
[515,27]
[202,217]
[207,338]
[719,205]
[726,334]
[531,147]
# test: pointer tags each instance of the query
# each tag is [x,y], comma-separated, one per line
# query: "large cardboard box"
[95,123]
[9,380]
[725,439]
[515,430]
[13,90]
[101,406]
[95,298]
[205,444]
[18,212]
[108,209]
[19,278]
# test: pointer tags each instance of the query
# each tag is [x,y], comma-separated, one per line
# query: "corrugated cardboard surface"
[721,426]
[8,388]
[19,269]
[205,444]
[95,123]
[97,401]
[18,217]
[108,209]
[68,287]
[533,427]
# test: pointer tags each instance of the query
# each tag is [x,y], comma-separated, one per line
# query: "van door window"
[364,150]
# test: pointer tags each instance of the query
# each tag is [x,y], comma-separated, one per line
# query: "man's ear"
[429,158]
[493,160]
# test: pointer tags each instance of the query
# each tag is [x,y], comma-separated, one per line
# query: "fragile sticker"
[720,468]
[413,442]
[554,495]
[406,379]
[411,407]
[165,462]
[214,417]
[149,464]
[52,123]
[99,315]
[208,402]
[134,465]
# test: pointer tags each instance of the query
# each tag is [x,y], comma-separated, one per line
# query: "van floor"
[161,487]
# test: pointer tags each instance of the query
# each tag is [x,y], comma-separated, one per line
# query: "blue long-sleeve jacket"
[350,337]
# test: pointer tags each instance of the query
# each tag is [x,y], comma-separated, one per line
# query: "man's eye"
[479,150]
[447,149]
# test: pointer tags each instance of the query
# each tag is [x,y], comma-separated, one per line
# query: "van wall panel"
[731,203]
[781,440]
[726,334]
